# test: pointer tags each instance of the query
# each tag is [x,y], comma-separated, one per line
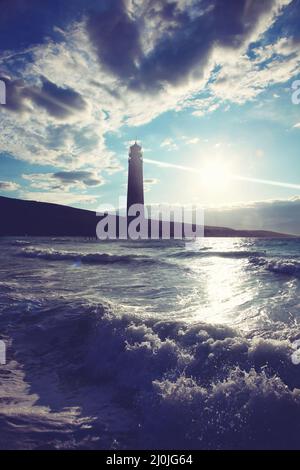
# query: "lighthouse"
[135,188]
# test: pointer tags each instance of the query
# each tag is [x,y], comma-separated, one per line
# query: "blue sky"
[204,84]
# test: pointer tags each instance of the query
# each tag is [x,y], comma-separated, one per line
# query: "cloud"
[86,178]
[192,141]
[15,99]
[66,93]
[273,64]
[297,126]
[203,106]
[149,182]
[189,140]
[59,197]
[148,44]
[57,101]
[169,144]
[277,215]
[115,36]
[58,116]
[8,186]
[64,180]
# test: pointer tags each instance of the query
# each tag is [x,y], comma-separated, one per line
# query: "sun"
[215,174]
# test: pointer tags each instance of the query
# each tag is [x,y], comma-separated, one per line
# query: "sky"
[201,84]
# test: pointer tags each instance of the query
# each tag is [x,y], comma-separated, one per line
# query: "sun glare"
[215,175]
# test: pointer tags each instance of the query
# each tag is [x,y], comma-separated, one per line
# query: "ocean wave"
[20,243]
[286,266]
[189,386]
[209,386]
[88,258]
[205,253]
[291,267]
[155,244]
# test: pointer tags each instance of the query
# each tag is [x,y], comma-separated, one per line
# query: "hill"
[31,218]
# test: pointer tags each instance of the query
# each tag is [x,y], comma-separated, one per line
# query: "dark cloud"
[185,37]
[74,177]
[183,33]
[150,180]
[58,102]
[234,21]
[63,180]
[15,99]
[184,46]
[116,38]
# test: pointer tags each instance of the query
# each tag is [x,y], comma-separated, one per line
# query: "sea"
[150,344]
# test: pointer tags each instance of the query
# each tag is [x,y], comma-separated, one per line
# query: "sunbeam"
[229,176]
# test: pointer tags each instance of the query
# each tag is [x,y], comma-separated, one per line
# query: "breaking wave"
[20,243]
[291,267]
[89,258]
[189,386]
[206,253]
[286,266]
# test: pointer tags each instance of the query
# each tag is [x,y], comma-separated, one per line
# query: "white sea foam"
[199,386]
[287,266]
[20,243]
[90,258]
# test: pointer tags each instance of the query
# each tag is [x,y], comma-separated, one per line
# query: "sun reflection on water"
[221,289]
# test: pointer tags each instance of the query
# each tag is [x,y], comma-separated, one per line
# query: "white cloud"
[169,144]
[59,197]
[38,137]
[273,64]
[193,141]
[190,140]
[8,186]
[149,182]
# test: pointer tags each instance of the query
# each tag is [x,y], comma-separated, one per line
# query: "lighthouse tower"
[135,188]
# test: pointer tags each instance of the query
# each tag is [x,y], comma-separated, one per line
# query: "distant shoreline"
[40,219]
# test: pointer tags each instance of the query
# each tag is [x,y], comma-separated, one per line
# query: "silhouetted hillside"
[30,218]
[20,217]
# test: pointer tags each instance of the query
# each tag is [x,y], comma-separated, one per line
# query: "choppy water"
[149,344]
